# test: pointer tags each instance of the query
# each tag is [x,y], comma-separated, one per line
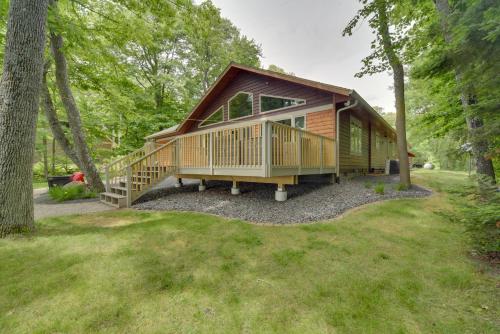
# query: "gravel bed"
[46,207]
[307,202]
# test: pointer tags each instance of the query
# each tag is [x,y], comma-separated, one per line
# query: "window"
[269,103]
[287,121]
[300,122]
[214,118]
[240,105]
[356,136]
[379,141]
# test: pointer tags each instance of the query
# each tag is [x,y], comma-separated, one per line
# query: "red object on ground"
[78,176]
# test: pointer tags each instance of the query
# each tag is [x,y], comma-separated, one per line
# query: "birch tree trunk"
[484,166]
[75,122]
[399,91]
[19,101]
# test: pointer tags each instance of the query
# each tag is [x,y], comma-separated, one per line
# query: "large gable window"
[216,117]
[240,105]
[356,136]
[272,103]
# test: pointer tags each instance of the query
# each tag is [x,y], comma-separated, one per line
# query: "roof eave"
[370,109]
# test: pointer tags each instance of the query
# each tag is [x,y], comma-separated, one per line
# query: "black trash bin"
[58,180]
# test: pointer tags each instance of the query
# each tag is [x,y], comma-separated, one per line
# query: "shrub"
[482,221]
[400,187]
[61,194]
[368,184]
[379,188]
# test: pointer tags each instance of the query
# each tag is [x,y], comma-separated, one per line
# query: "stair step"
[119,190]
[118,201]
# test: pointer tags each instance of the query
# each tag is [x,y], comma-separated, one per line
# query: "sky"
[305,37]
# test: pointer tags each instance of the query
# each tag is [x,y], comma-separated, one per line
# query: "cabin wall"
[379,153]
[321,122]
[256,84]
[350,163]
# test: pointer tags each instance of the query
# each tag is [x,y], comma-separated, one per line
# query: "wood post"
[129,186]
[108,186]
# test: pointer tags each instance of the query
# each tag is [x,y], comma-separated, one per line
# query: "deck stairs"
[130,177]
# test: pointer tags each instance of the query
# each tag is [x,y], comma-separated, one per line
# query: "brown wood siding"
[378,156]
[350,162]
[256,84]
[321,122]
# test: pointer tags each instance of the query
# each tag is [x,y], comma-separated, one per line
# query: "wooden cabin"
[256,125]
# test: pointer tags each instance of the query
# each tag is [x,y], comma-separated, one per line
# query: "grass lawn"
[390,267]
[39,185]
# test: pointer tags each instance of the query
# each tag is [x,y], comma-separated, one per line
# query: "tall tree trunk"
[55,125]
[75,122]
[19,99]
[484,165]
[45,157]
[399,92]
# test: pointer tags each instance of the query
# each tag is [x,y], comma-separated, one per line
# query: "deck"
[259,151]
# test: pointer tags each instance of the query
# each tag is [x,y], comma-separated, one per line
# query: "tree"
[19,100]
[73,112]
[469,94]
[388,54]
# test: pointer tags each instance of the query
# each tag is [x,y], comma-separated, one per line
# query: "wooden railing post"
[321,155]
[108,188]
[266,147]
[211,153]
[299,154]
[129,186]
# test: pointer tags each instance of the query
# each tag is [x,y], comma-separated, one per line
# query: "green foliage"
[437,119]
[61,194]
[379,188]
[368,184]
[400,187]
[137,67]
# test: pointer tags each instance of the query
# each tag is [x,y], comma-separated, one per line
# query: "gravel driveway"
[46,207]
[306,202]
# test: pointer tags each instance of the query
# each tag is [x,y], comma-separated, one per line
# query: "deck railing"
[262,148]
[298,149]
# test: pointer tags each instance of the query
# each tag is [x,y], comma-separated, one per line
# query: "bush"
[368,184]
[482,221]
[400,187]
[61,194]
[379,188]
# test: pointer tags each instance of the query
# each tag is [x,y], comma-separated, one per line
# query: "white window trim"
[216,110]
[278,118]
[359,124]
[229,107]
[279,97]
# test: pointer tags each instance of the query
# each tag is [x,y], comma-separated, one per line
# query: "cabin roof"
[233,70]
[163,132]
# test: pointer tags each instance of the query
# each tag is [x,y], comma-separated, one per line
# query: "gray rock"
[307,202]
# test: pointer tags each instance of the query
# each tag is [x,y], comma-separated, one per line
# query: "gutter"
[348,106]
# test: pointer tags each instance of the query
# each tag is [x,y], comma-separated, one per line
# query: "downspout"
[348,106]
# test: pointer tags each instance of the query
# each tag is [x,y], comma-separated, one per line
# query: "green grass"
[379,188]
[39,185]
[391,267]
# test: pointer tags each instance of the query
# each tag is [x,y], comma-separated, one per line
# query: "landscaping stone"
[308,202]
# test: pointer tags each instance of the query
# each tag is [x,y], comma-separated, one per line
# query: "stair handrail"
[121,170]
[134,194]
[150,153]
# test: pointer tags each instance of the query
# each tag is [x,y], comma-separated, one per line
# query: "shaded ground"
[306,202]
[46,207]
